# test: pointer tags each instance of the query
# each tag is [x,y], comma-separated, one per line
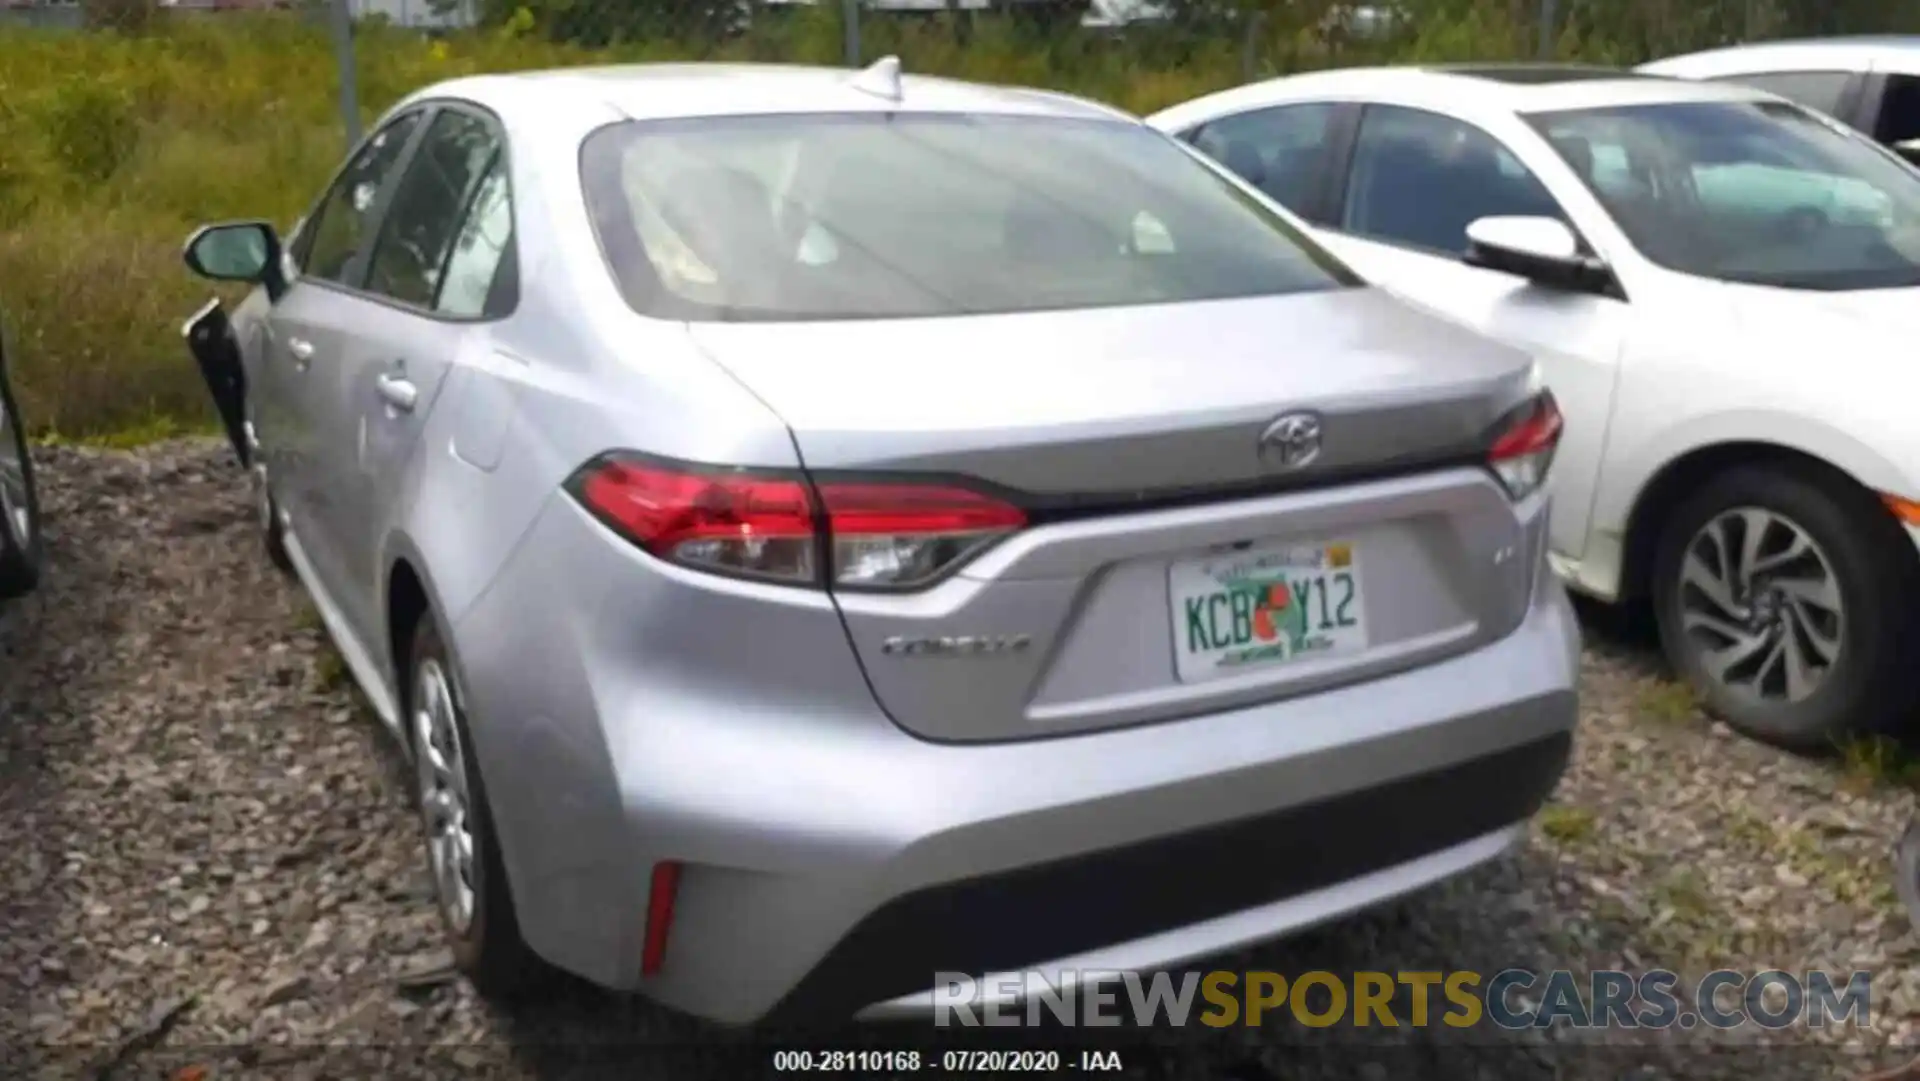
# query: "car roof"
[1899,52]
[1467,89]
[679,90]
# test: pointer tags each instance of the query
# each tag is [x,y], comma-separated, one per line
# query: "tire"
[273,535]
[1851,540]
[484,938]
[21,548]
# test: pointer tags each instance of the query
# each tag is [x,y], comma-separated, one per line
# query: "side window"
[337,230]
[1279,150]
[482,277]
[1420,179]
[1900,115]
[429,206]
[1822,90]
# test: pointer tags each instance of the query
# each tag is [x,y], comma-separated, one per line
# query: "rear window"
[831,216]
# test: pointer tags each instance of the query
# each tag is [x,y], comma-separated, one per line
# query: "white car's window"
[1420,178]
[1279,150]
[1759,192]
[872,215]
[1898,125]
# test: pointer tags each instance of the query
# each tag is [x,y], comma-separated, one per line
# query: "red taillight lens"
[772,525]
[741,523]
[1522,453]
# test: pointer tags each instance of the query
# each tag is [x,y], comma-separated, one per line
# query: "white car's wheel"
[1784,594]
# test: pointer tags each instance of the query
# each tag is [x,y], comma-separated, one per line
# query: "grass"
[1869,763]
[117,145]
[1667,701]
[1567,825]
[330,670]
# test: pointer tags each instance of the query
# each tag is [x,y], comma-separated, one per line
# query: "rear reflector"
[776,526]
[1522,452]
[666,882]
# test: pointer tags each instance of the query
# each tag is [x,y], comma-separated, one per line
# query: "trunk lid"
[1145,588]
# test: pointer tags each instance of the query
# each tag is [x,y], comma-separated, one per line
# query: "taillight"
[777,526]
[1522,452]
[893,536]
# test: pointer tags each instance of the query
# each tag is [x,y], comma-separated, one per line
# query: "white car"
[1723,289]
[1870,83]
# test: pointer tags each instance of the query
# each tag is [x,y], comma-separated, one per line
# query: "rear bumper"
[833,862]
[1176,898]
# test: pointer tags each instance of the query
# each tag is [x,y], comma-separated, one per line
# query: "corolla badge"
[1292,441]
[961,645]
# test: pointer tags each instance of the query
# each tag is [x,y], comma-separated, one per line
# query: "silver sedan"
[816,531]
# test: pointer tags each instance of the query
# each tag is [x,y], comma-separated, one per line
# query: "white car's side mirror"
[1544,250]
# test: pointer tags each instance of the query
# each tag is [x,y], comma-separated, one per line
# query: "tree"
[598,23]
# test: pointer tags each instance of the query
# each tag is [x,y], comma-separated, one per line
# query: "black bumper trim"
[1013,919]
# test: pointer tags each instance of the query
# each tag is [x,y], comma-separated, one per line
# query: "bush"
[90,129]
[119,143]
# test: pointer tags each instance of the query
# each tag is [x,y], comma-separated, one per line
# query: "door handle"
[301,349]
[398,391]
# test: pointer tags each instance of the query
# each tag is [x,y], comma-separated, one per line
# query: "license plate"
[1265,606]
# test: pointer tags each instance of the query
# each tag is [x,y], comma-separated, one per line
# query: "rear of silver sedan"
[1140,584]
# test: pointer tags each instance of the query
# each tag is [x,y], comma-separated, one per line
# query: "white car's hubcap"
[1760,605]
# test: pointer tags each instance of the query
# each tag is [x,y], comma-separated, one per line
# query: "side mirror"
[1908,149]
[1543,250]
[242,251]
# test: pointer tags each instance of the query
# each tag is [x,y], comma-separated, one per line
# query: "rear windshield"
[870,215]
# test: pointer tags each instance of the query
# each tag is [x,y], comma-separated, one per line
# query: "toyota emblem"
[1292,441]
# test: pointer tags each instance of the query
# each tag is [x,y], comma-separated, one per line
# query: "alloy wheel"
[1760,605]
[15,504]
[257,475]
[441,773]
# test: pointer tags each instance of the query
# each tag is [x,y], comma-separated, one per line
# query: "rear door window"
[430,206]
[482,278]
[1282,150]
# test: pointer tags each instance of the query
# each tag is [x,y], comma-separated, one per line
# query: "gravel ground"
[208,868]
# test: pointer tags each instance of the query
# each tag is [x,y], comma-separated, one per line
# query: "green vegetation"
[119,141]
[1873,761]
[1667,701]
[1566,824]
